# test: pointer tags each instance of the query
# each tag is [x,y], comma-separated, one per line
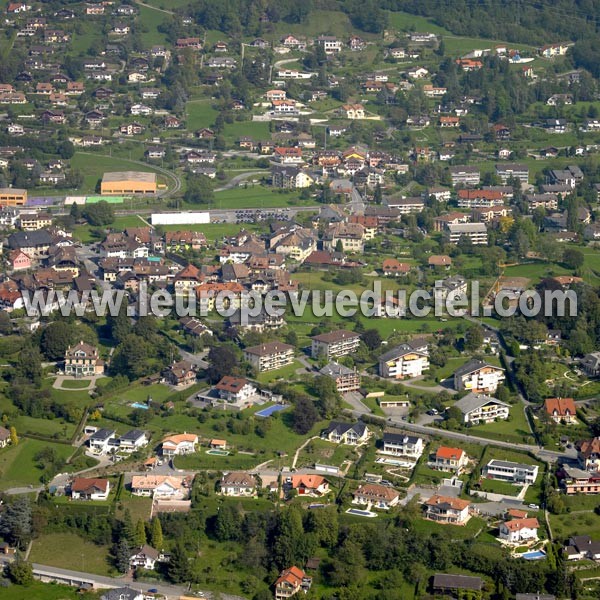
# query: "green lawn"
[44,591]
[75,384]
[514,430]
[150,19]
[199,114]
[286,372]
[47,427]
[321,451]
[568,524]
[92,166]
[69,551]
[17,464]
[257,196]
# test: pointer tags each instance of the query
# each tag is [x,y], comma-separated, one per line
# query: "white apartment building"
[512,472]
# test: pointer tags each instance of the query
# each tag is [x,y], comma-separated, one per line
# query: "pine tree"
[178,567]
[139,537]
[122,555]
[156,534]
[127,528]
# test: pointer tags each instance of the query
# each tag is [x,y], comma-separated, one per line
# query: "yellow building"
[13,197]
[121,183]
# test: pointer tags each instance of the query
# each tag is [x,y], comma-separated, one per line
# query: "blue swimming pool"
[267,412]
[361,513]
[140,405]
[535,555]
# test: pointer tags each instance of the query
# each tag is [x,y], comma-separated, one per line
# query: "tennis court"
[267,412]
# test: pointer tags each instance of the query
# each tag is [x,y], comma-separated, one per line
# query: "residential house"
[588,454]
[309,485]
[512,472]
[590,363]
[145,557]
[478,376]
[376,496]
[444,509]
[4,437]
[449,459]
[517,531]
[403,362]
[351,434]
[561,410]
[133,441]
[100,441]
[335,343]
[346,379]
[479,408]
[580,547]
[82,360]
[159,486]
[123,593]
[236,390]
[353,111]
[579,481]
[290,582]
[402,444]
[238,484]
[180,374]
[83,488]
[178,444]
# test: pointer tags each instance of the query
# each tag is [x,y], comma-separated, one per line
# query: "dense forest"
[512,20]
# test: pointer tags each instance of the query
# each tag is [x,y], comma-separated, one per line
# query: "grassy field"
[44,591]
[199,114]
[321,451]
[69,551]
[150,20]
[515,430]
[18,467]
[92,166]
[257,197]
[284,373]
[568,524]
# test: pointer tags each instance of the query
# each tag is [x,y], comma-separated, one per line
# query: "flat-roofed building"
[13,197]
[512,472]
[475,232]
[118,183]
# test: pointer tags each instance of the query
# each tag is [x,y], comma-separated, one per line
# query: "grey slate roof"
[473,365]
[474,401]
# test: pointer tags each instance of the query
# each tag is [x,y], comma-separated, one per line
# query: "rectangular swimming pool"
[267,412]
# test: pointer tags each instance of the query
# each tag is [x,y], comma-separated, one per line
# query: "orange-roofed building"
[519,530]
[515,513]
[561,410]
[447,510]
[393,267]
[449,459]
[290,582]
[310,485]
[218,444]
[439,260]
[180,443]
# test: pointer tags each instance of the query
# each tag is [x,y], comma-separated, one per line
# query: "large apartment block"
[403,362]
[334,343]
[269,356]
[475,232]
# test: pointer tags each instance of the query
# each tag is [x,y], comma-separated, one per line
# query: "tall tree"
[156,534]
[16,522]
[178,567]
[139,537]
